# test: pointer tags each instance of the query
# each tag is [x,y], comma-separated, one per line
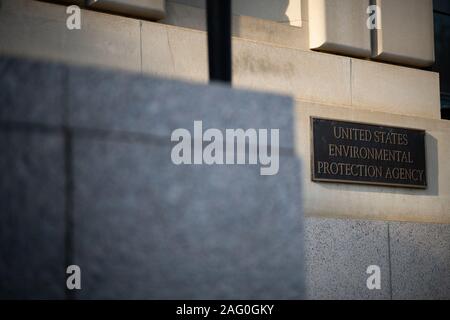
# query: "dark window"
[442,51]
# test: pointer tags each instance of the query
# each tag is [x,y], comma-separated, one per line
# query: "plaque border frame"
[367,183]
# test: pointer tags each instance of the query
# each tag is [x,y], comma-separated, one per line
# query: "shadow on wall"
[274,10]
[269,21]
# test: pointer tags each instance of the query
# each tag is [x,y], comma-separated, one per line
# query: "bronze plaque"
[353,152]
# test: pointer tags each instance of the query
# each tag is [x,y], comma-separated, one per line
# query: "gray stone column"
[87,179]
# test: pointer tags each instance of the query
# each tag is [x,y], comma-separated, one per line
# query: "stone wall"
[87,180]
[322,85]
[405,232]
[414,259]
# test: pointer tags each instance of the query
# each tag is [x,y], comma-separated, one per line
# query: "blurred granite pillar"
[32,181]
[90,182]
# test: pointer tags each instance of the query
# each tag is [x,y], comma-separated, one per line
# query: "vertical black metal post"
[219,39]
